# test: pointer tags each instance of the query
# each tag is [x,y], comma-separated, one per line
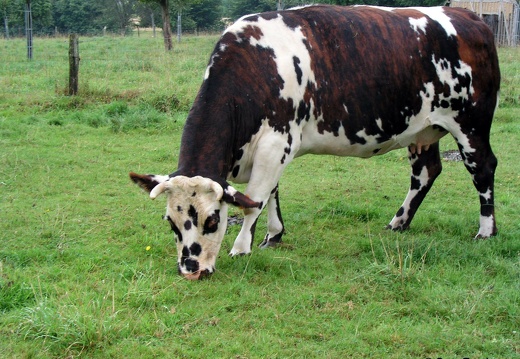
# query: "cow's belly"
[269,146]
[314,142]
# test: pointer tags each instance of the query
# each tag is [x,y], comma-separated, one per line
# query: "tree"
[206,14]
[166,23]
[78,16]
[118,14]
[5,11]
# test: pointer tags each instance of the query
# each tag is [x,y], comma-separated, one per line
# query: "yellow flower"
[148,248]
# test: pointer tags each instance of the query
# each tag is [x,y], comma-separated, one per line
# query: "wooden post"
[73,64]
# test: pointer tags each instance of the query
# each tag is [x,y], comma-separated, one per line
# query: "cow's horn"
[160,188]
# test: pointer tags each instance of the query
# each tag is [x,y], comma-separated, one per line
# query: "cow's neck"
[206,146]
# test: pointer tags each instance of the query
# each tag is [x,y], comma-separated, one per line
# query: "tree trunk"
[6,25]
[167,32]
[153,24]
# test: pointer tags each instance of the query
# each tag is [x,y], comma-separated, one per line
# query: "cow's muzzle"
[200,274]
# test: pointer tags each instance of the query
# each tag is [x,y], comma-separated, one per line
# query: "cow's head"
[197,212]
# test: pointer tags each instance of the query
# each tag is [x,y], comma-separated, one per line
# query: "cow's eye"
[211,223]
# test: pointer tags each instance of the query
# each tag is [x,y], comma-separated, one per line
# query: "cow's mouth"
[198,275]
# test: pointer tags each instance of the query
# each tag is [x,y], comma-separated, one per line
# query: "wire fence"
[110,68]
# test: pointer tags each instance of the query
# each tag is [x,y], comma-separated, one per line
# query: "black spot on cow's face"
[239,154]
[175,229]
[195,249]
[211,223]
[185,255]
[192,265]
[187,225]
[192,212]
[236,169]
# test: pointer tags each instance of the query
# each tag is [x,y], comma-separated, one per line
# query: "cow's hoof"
[234,253]
[268,244]
[481,237]
[396,229]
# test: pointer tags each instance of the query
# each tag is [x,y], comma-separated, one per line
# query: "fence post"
[73,64]
[28,29]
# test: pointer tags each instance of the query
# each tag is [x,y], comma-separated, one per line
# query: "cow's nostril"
[191,265]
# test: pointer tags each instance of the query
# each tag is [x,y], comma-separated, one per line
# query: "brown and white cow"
[348,81]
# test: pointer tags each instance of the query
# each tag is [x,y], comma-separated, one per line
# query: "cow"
[347,81]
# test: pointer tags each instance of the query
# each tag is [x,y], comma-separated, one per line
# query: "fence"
[502,16]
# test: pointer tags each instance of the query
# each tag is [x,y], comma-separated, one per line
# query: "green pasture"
[88,268]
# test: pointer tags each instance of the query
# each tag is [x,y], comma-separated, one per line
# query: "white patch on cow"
[160,178]
[487,227]
[379,124]
[418,24]
[368,138]
[345,107]
[265,148]
[487,196]
[286,43]
[300,7]
[329,143]
[465,69]
[435,13]
[423,177]
[438,14]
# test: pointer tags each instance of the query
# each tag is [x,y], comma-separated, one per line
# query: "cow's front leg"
[275,227]
[426,166]
[273,154]
[244,240]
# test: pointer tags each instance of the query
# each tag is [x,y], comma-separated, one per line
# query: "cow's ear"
[147,182]
[236,198]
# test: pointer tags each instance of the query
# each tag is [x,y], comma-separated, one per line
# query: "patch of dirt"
[235,220]
[451,155]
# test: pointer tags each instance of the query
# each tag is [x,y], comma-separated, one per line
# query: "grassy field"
[88,269]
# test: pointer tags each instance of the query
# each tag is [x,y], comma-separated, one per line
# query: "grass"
[87,268]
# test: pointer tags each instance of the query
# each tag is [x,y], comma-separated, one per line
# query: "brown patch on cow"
[252,31]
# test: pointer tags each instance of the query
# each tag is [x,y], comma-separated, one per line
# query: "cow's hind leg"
[481,164]
[426,166]
[275,227]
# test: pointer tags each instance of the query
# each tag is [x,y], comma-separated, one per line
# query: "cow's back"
[349,80]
